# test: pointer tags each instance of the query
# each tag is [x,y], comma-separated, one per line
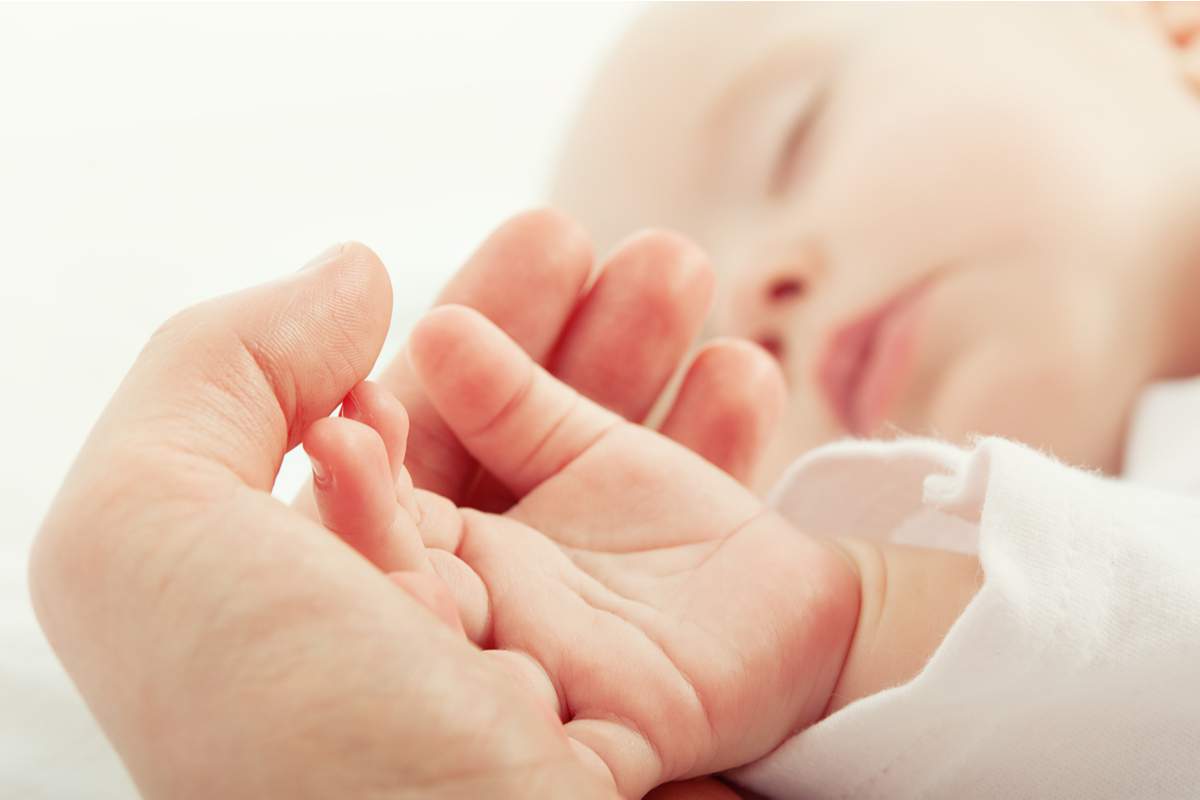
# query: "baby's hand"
[674,625]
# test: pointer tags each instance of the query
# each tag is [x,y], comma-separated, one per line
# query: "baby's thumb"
[237,379]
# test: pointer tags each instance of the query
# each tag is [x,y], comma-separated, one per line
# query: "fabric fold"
[1070,674]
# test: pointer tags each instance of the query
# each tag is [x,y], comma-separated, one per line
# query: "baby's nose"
[775,295]
[770,296]
[786,289]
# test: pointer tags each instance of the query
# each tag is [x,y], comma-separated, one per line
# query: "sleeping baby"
[976,224]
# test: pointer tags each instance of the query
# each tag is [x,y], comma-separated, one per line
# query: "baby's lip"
[864,362]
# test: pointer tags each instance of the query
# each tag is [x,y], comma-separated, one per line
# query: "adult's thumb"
[236,380]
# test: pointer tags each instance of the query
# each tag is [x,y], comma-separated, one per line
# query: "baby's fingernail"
[325,256]
[352,410]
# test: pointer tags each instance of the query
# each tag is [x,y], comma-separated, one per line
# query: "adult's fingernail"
[324,257]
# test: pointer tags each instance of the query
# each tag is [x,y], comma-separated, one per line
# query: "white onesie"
[1073,673]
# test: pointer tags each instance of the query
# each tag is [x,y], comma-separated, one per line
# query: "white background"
[154,155]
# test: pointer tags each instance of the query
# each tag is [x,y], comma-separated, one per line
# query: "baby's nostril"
[772,344]
[784,289]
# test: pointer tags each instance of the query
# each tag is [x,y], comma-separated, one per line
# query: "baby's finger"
[527,277]
[631,760]
[441,527]
[627,335]
[523,671]
[431,592]
[730,402]
[520,422]
[355,495]
[467,592]
[377,408]
[644,311]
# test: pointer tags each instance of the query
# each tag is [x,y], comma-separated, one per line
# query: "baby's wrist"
[909,597]
[830,598]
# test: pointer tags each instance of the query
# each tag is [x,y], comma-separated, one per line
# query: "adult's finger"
[200,617]
[236,380]
[206,413]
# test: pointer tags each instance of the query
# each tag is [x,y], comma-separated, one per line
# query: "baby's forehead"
[642,144]
[693,95]
[701,49]
[696,51]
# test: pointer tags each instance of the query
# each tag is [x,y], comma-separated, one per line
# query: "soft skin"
[1036,168]
[674,625]
[229,646]
[654,606]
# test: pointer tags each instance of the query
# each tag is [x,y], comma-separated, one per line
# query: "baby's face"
[943,220]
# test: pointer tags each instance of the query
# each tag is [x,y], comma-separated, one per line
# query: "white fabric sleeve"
[1074,671]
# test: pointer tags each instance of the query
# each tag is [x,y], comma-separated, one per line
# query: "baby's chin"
[806,425]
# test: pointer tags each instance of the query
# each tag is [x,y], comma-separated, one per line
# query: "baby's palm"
[681,627]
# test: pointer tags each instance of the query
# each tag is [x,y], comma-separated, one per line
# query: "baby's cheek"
[806,424]
[1044,397]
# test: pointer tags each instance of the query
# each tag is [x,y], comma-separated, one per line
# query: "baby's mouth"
[865,362]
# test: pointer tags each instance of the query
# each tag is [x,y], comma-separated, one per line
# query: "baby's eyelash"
[792,146]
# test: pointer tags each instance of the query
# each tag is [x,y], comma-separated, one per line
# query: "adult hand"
[229,646]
